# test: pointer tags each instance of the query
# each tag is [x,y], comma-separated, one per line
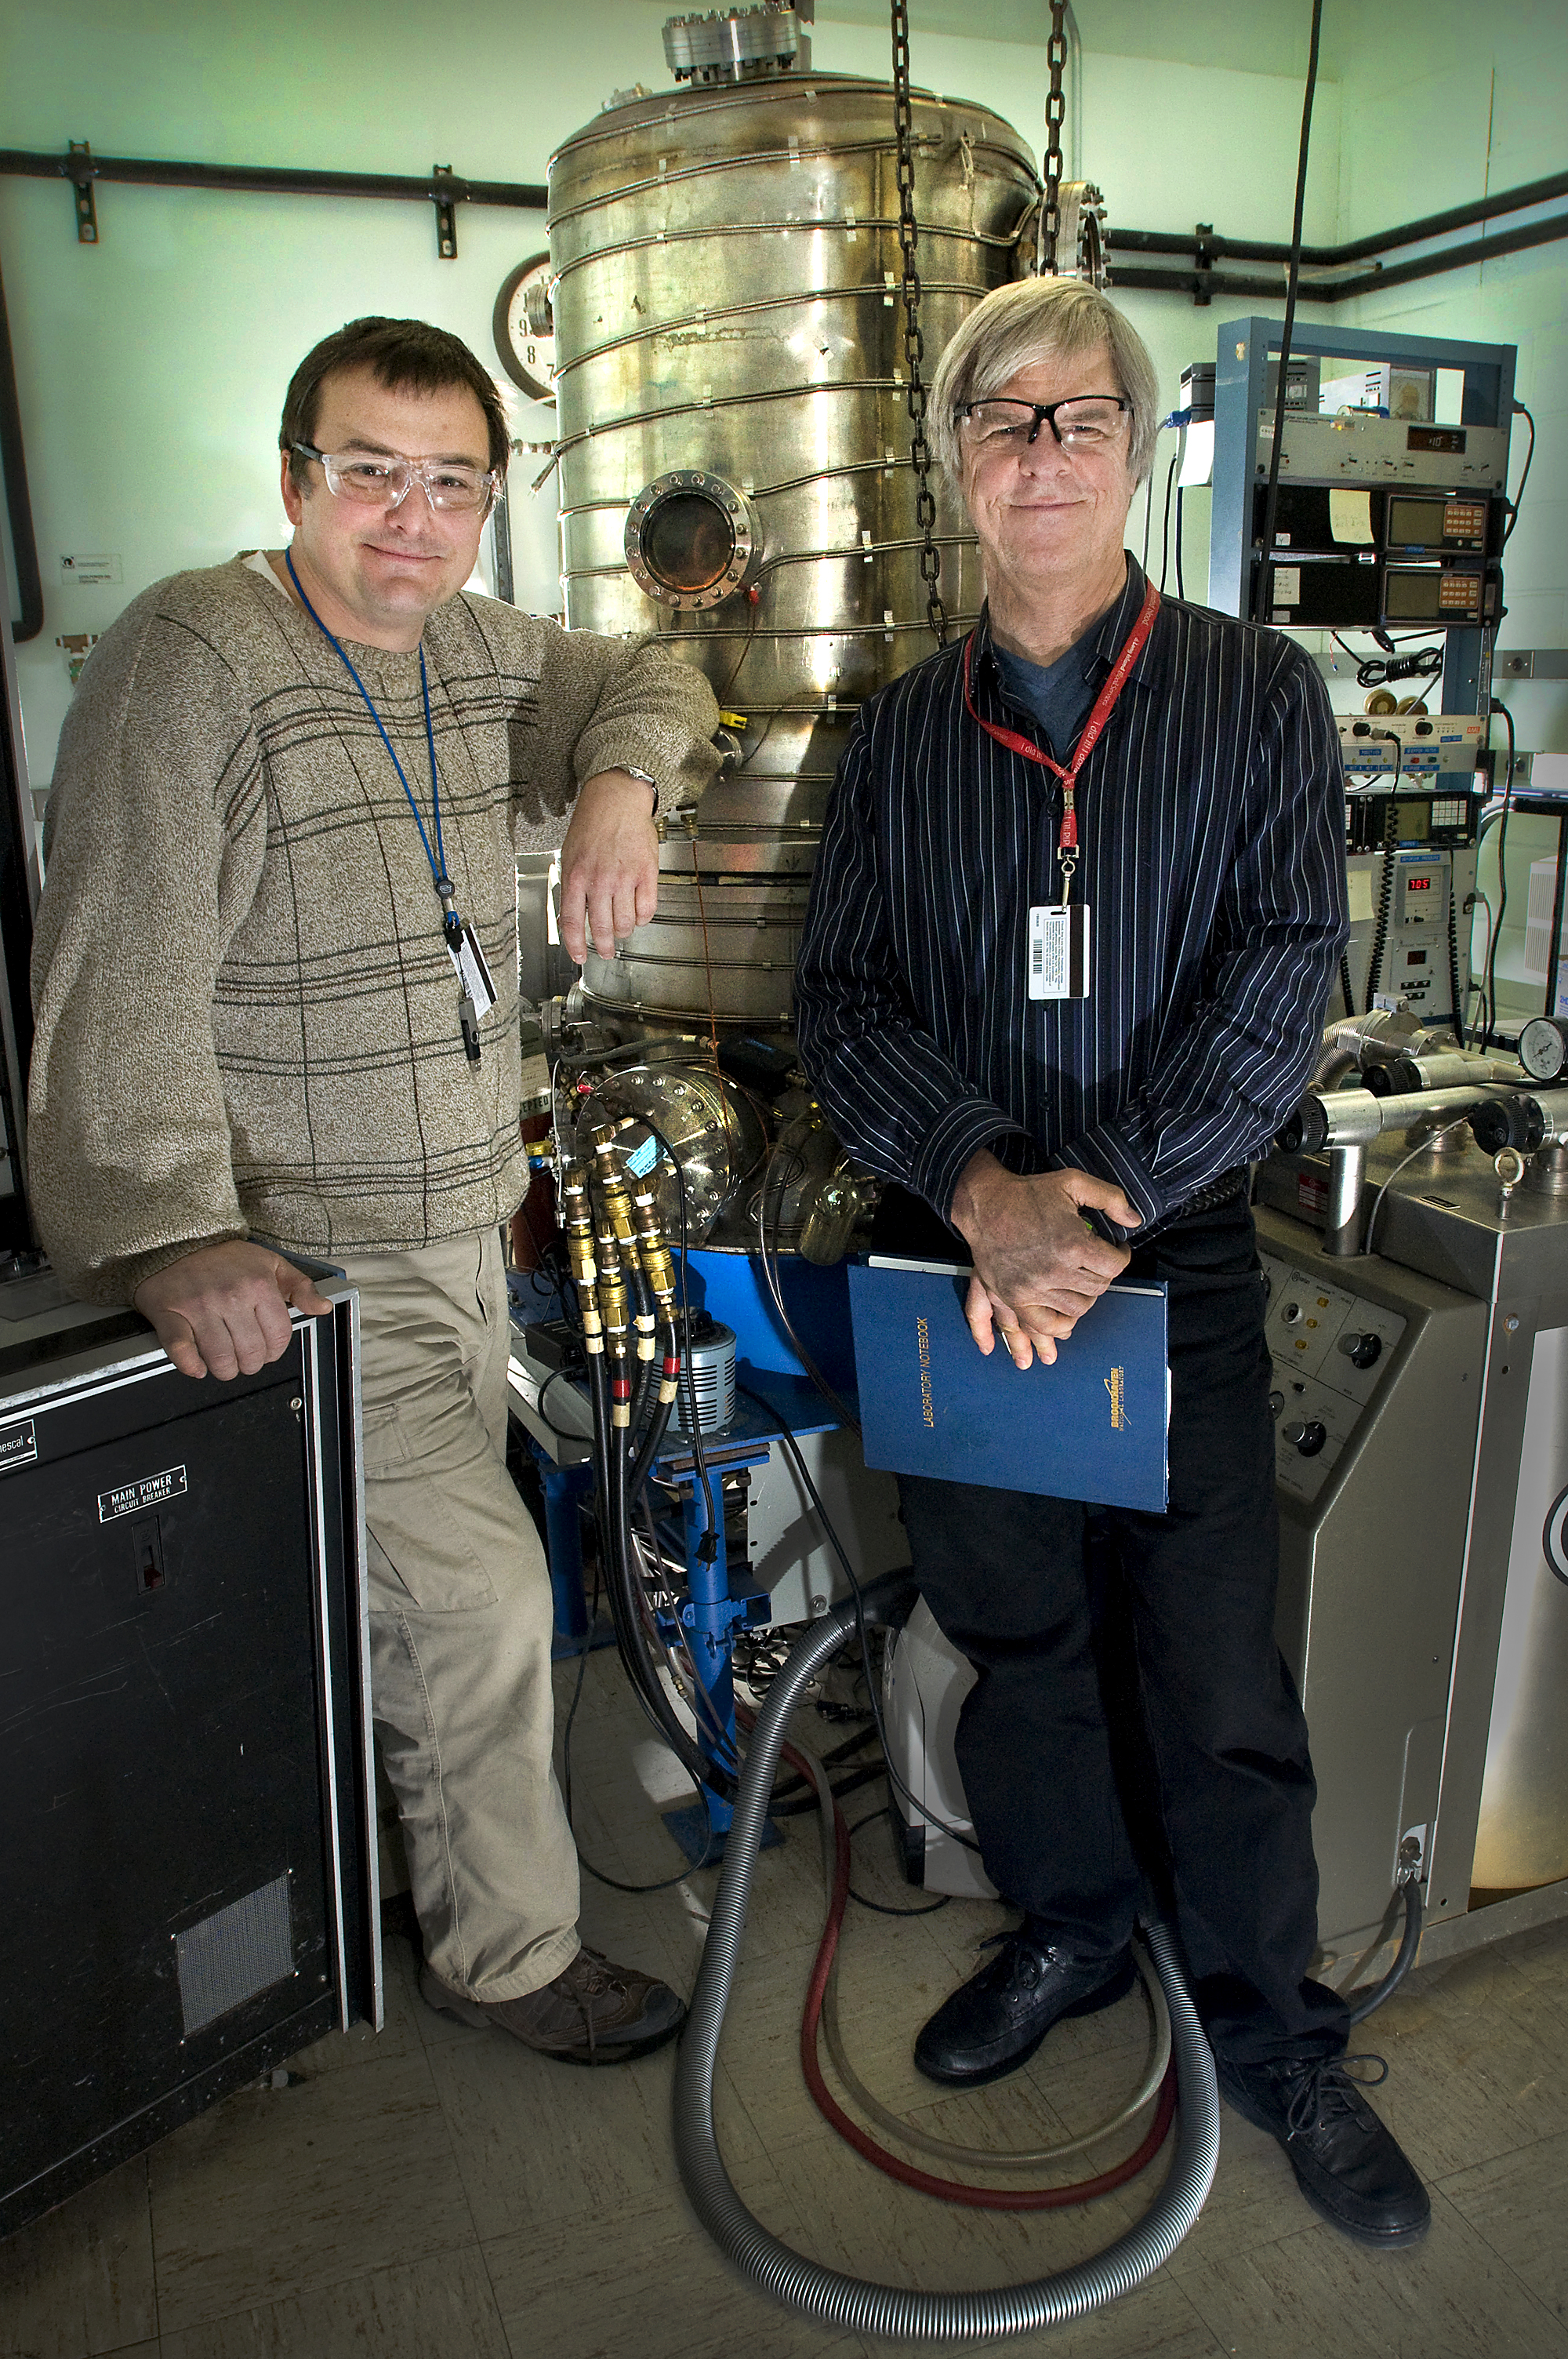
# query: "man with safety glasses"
[1079,902]
[275,983]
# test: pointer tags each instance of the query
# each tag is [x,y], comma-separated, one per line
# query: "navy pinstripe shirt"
[1211,826]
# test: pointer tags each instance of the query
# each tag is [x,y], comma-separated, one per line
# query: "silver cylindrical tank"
[734,456]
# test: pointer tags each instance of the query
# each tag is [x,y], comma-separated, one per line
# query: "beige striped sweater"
[246,1016]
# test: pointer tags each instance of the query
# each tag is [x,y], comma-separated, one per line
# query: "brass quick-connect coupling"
[612,1294]
[611,1182]
[578,1229]
[653,1251]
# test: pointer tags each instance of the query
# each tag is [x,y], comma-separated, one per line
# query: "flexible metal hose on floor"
[827,2295]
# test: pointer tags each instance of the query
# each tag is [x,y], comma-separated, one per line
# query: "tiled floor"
[439,2193]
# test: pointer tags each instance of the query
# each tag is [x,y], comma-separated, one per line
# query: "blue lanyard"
[451,924]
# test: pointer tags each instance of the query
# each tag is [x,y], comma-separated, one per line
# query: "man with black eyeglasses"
[1079,902]
[275,982]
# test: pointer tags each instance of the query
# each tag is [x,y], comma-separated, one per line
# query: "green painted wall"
[152,367]
[1497,82]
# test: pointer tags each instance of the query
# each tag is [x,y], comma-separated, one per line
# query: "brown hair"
[403,353]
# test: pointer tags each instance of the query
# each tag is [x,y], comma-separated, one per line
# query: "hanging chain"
[1056,109]
[914,341]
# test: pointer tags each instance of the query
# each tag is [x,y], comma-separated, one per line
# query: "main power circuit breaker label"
[150,1491]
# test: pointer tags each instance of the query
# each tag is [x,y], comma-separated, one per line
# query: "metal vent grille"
[233,1953]
[713,1380]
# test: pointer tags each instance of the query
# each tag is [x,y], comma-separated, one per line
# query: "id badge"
[1058,964]
[473,973]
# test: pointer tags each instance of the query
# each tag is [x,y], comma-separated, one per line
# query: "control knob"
[1362,1351]
[1308,1435]
[1276,1404]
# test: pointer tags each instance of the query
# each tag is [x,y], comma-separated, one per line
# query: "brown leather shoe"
[593,2013]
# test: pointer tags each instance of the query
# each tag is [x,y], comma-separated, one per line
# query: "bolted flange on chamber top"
[737,44]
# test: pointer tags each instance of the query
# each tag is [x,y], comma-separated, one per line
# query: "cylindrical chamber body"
[727,307]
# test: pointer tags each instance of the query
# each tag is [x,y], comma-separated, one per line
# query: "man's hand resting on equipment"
[223,1310]
[610,864]
[1037,1268]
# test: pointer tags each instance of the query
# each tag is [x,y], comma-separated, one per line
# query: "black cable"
[752,752]
[597,1873]
[1410,1942]
[561,1432]
[1181,584]
[653,1441]
[1165,520]
[1478,990]
[1507,721]
[1349,997]
[1456,997]
[882,1907]
[1380,672]
[609,1500]
[642,1306]
[775,1288]
[1385,899]
[755,597]
[1517,501]
[1271,501]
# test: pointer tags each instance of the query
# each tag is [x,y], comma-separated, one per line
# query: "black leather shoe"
[1349,2168]
[995,2021]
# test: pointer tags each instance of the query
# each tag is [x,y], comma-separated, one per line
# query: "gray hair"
[1042,319]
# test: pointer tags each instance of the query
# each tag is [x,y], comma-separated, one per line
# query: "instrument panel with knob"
[1330,1351]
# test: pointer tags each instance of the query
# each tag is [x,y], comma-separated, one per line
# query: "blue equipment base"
[703,1843]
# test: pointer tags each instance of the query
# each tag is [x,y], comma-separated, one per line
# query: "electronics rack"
[1386,523]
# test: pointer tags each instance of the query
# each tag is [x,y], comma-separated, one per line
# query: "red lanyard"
[1133,647]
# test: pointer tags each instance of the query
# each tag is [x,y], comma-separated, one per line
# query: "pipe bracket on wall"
[444,193]
[1204,256]
[83,174]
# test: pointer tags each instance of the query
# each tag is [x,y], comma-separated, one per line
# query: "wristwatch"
[647,781]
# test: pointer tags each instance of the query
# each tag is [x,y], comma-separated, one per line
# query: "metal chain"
[914,341]
[1056,110]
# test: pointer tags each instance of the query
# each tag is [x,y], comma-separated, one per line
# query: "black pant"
[1078,1621]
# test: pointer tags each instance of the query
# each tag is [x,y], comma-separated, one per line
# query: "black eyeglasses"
[1086,422]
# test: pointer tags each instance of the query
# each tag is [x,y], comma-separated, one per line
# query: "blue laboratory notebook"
[1094,1426]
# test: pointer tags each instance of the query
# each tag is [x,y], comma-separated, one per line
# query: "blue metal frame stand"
[709,1618]
[566,1488]
[719,1599]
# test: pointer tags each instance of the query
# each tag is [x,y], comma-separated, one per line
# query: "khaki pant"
[460,1624]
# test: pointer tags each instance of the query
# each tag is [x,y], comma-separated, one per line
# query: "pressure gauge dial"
[1543,1048]
[524,329]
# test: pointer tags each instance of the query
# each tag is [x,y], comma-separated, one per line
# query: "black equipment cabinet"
[188,1880]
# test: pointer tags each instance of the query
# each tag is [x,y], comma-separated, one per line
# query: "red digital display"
[1418,884]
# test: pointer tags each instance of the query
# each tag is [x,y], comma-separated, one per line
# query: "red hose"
[948,2191]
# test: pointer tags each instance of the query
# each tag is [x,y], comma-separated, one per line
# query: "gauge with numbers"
[1543,1048]
[524,330]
